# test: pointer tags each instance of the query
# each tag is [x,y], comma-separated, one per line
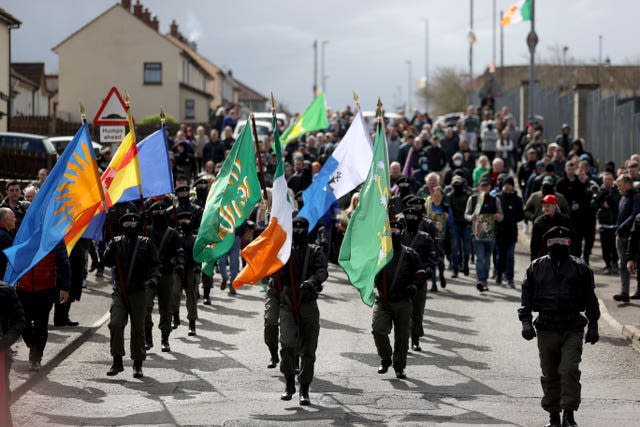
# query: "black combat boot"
[400,374]
[273,362]
[384,366]
[176,320]
[554,419]
[304,395]
[148,337]
[192,328]
[289,388]
[567,419]
[164,343]
[206,299]
[415,343]
[137,369]
[117,367]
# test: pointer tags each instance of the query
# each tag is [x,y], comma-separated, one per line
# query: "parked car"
[22,155]
[61,142]
[449,120]
[263,128]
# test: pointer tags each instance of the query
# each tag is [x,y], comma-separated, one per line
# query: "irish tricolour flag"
[518,12]
[271,249]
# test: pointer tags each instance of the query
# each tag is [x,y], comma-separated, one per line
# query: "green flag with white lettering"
[231,199]
[314,118]
[366,247]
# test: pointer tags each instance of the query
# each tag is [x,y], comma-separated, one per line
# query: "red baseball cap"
[550,199]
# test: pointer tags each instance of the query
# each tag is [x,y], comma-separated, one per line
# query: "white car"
[263,128]
[61,142]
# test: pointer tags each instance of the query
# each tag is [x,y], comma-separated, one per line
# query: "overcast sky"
[268,44]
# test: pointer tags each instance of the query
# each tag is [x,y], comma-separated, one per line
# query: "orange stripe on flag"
[262,255]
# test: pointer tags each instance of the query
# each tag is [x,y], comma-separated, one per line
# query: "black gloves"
[152,284]
[411,291]
[592,336]
[528,332]
[309,292]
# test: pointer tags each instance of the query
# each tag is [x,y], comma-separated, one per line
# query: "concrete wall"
[111,51]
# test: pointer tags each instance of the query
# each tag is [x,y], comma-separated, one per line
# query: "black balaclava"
[131,228]
[183,195]
[396,233]
[159,219]
[547,189]
[300,231]
[404,188]
[412,219]
[458,188]
[202,190]
[558,252]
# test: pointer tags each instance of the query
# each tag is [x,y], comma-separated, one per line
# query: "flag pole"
[257,147]
[163,123]
[133,131]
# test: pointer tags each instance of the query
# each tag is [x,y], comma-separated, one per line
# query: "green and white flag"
[517,12]
[366,247]
[231,199]
[314,118]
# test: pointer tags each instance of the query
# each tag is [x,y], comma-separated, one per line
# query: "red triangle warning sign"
[113,111]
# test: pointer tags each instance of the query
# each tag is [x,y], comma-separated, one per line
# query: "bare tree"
[446,93]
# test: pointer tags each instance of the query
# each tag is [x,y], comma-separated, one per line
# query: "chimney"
[174,29]
[127,5]
[155,24]
[137,9]
[146,16]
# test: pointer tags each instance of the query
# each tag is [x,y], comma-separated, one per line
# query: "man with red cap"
[550,218]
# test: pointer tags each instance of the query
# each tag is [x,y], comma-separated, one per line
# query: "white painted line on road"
[101,321]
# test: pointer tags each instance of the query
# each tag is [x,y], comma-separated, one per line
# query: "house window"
[189,109]
[152,73]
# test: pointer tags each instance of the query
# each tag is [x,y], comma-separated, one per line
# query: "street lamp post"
[426,65]
[532,41]
[409,85]
[565,78]
[323,76]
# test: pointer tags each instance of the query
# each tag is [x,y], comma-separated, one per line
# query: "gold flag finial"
[356,98]
[126,98]
[162,116]
[379,109]
[273,103]
[83,113]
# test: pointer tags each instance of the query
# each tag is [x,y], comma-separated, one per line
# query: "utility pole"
[532,41]
[493,44]
[501,51]
[472,39]
[565,83]
[409,87]
[426,65]
[315,68]
[323,76]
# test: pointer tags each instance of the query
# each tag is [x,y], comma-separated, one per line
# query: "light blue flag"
[155,174]
[344,170]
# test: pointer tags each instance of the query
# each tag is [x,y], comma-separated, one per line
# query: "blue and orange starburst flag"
[63,207]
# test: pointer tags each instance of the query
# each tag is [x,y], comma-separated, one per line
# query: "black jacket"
[170,251]
[146,265]
[559,292]
[406,262]
[423,244]
[513,213]
[436,158]
[12,321]
[315,271]
[628,208]
[541,225]
[633,246]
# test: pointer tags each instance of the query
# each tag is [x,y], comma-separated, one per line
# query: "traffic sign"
[109,134]
[113,111]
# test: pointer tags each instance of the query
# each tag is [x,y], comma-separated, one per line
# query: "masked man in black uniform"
[136,268]
[171,255]
[559,287]
[424,245]
[301,278]
[397,284]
